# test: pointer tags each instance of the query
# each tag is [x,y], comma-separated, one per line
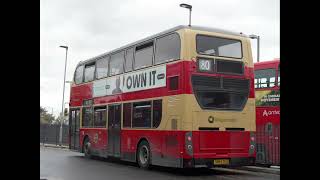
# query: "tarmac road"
[62,164]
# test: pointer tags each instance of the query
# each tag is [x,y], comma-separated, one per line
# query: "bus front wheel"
[86,148]
[144,155]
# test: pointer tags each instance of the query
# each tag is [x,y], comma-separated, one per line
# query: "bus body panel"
[98,139]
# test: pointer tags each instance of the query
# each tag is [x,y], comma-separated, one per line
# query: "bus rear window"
[221,100]
[215,46]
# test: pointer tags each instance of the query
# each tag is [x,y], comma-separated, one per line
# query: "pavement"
[273,170]
[60,163]
[53,145]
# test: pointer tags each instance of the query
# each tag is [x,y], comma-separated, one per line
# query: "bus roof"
[200,28]
[267,64]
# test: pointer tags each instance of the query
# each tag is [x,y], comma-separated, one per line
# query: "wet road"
[62,164]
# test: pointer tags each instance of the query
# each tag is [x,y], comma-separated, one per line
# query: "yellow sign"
[221,162]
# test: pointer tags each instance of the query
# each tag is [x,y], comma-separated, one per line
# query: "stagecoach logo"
[210,119]
[268,113]
[130,82]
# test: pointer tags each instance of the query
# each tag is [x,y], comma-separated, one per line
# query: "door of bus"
[74,125]
[114,128]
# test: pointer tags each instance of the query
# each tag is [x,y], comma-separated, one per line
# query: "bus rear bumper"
[209,163]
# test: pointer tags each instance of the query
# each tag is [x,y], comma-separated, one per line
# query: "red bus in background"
[267,93]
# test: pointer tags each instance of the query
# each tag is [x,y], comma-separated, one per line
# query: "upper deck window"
[143,57]
[116,63]
[102,67]
[89,73]
[167,48]
[79,75]
[264,78]
[129,59]
[215,46]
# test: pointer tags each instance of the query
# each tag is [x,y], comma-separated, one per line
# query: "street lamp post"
[252,36]
[62,109]
[190,9]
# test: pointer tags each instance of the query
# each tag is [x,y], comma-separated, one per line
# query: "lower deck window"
[87,120]
[127,109]
[141,114]
[146,114]
[100,117]
[157,113]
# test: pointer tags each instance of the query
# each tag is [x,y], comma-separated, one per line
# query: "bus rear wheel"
[144,155]
[86,148]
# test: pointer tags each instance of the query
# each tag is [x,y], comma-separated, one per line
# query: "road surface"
[62,164]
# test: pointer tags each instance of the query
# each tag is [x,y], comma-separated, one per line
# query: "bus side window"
[141,116]
[87,119]
[102,67]
[79,75]
[129,59]
[157,113]
[116,63]
[100,117]
[143,55]
[89,72]
[167,48]
[127,110]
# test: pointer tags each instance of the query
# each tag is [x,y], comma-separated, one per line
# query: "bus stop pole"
[64,82]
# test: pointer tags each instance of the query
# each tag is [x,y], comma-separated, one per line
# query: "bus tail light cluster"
[188,143]
[252,143]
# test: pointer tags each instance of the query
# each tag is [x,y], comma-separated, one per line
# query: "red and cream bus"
[267,93]
[180,98]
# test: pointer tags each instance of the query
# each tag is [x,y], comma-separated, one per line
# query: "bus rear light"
[189,138]
[188,143]
[252,143]
[252,138]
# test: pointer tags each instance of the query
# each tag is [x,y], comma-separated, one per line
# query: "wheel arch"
[84,138]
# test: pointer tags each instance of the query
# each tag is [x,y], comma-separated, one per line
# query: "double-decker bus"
[180,98]
[267,93]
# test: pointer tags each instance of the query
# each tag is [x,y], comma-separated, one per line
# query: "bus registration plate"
[221,162]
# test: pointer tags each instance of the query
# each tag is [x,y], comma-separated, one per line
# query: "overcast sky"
[93,27]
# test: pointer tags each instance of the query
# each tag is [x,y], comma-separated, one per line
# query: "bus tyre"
[86,148]
[144,155]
